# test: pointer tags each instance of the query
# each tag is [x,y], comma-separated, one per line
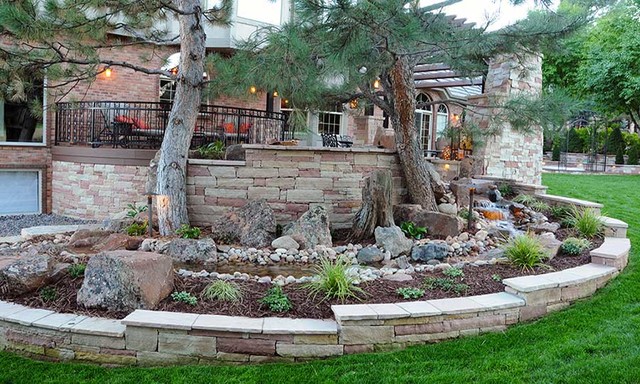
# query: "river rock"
[126,280]
[311,229]
[403,262]
[26,274]
[430,251]
[437,223]
[398,277]
[286,242]
[369,255]
[192,250]
[392,239]
[253,225]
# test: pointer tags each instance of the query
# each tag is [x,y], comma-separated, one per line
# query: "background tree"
[334,51]
[65,39]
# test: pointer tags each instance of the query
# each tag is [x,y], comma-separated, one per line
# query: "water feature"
[499,216]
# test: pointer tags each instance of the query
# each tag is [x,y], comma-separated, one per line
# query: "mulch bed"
[481,280]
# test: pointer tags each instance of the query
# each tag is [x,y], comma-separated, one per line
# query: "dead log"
[377,208]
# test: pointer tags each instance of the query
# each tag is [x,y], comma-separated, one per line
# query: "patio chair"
[329,140]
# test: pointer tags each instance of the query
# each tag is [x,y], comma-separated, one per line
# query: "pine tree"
[619,155]
[336,50]
[615,141]
[555,151]
[575,142]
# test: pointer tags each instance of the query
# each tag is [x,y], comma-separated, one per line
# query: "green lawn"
[597,340]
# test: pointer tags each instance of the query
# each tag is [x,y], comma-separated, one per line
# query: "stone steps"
[614,227]
[48,230]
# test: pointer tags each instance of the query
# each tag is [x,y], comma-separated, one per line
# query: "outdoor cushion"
[229,128]
[123,119]
[138,123]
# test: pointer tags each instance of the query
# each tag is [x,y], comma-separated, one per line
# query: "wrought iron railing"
[132,124]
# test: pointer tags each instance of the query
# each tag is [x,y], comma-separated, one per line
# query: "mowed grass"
[594,341]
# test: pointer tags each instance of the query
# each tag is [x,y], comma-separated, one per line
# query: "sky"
[479,11]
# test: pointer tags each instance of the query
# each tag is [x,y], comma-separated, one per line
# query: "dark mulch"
[481,280]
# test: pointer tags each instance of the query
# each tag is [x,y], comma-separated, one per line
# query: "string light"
[107,72]
[253,89]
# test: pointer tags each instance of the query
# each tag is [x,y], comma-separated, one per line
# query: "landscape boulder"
[235,152]
[253,225]
[430,251]
[392,239]
[99,240]
[460,189]
[285,242]
[126,280]
[311,229]
[437,223]
[369,255]
[550,244]
[26,273]
[192,250]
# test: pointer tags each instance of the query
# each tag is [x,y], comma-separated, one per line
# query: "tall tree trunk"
[172,165]
[421,178]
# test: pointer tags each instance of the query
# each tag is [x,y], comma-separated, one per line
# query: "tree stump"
[377,208]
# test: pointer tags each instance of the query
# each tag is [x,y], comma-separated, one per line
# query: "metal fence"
[132,124]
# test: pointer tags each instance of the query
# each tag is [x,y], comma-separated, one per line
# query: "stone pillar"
[508,154]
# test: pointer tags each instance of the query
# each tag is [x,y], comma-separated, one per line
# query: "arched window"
[423,117]
[442,120]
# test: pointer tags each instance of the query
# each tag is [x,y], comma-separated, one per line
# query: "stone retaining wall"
[159,338]
[291,179]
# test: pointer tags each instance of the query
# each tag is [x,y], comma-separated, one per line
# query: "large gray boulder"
[253,225]
[286,242]
[311,229]
[392,239]
[460,189]
[369,255]
[25,274]
[550,244]
[192,250]
[430,251]
[437,223]
[126,280]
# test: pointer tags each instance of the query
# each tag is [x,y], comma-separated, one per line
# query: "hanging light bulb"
[107,72]
[253,89]
[353,104]
[376,84]
[275,94]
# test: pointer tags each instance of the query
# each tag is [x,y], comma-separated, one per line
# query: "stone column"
[509,154]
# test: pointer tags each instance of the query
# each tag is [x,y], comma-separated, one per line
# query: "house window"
[331,121]
[442,121]
[423,120]
[21,118]
[265,11]
[167,90]
[20,192]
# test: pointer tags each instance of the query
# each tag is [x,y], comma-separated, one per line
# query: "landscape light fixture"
[150,209]
[253,89]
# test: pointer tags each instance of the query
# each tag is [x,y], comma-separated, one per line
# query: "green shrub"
[464,213]
[585,222]
[574,246]
[48,294]
[525,251]
[133,209]
[413,231]
[555,151]
[505,189]
[410,293]
[619,156]
[332,280]
[460,288]
[276,300]
[615,143]
[453,272]
[184,297]
[496,277]
[532,202]
[634,155]
[575,142]
[137,229]
[76,270]
[188,232]
[213,150]
[444,283]
[222,290]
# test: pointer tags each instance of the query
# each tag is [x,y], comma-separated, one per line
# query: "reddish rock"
[126,280]
[438,224]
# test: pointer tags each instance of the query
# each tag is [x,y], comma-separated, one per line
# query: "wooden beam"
[431,67]
[448,84]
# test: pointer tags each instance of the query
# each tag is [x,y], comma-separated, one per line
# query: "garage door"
[19,192]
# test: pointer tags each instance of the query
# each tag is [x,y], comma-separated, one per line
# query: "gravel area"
[11,225]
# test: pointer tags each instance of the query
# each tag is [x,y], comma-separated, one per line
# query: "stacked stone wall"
[506,152]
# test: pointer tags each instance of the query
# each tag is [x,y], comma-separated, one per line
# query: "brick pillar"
[509,154]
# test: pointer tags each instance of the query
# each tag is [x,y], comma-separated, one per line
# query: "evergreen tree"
[619,155]
[634,153]
[555,151]
[615,142]
[336,50]
[575,142]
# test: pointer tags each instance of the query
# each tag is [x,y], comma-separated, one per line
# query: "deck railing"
[132,124]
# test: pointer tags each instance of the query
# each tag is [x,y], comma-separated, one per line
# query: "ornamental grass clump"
[586,222]
[223,291]
[532,202]
[574,246]
[525,251]
[332,280]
